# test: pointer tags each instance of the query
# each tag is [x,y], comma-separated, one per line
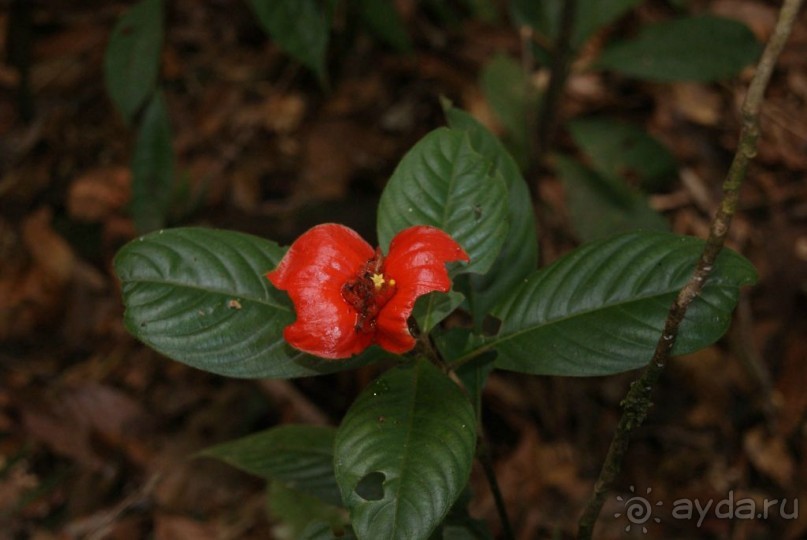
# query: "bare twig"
[638,399]
[483,454]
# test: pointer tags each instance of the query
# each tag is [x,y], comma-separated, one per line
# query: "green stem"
[638,399]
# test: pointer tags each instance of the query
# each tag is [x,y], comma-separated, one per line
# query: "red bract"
[348,295]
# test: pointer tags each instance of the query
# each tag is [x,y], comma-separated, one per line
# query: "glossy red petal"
[313,272]
[417,262]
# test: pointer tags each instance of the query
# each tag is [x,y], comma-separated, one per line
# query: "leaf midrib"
[499,340]
[409,430]
[214,290]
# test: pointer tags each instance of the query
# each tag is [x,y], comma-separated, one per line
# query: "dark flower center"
[368,292]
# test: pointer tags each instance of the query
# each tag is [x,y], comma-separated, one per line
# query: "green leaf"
[514,100]
[383,20]
[704,48]
[459,525]
[152,168]
[620,150]
[519,255]
[590,16]
[474,375]
[200,296]
[132,57]
[600,207]
[293,511]
[443,182]
[299,456]
[601,309]
[322,530]
[300,27]
[432,308]
[403,453]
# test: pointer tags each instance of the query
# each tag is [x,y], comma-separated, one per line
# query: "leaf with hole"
[403,453]
[200,296]
[705,48]
[132,57]
[443,182]
[298,456]
[601,309]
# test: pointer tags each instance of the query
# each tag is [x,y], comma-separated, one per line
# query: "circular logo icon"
[638,509]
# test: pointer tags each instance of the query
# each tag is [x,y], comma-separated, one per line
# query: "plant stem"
[482,448]
[638,399]
[558,73]
[483,454]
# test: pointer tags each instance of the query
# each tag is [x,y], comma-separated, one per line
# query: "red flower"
[348,295]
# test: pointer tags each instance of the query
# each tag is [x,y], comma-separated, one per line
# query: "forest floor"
[96,429]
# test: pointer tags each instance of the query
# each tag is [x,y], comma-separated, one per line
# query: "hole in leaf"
[371,486]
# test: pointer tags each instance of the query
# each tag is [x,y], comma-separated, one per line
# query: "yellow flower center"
[378,281]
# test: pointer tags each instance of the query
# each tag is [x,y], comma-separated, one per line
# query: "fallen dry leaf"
[99,193]
[770,455]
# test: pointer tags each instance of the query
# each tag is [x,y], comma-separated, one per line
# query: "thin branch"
[558,73]
[638,399]
[483,455]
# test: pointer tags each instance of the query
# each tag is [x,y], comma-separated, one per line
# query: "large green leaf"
[519,255]
[442,181]
[600,206]
[625,151]
[300,457]
[132,57]
[153,167]
[300,27]
[403,453]
[601,309]
[199,296]
[703,48]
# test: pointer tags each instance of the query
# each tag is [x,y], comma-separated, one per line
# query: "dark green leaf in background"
[200,296]
[519,255]
[600,206]
[706,48]
[544,16]
[132,57]
[300,27]
[153,167]
[600,310]
[294,512]
[403,453]
[442,181]
[432,308]
[385,22]
[298,456]
[322,530]
[620,150]
[513,98]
